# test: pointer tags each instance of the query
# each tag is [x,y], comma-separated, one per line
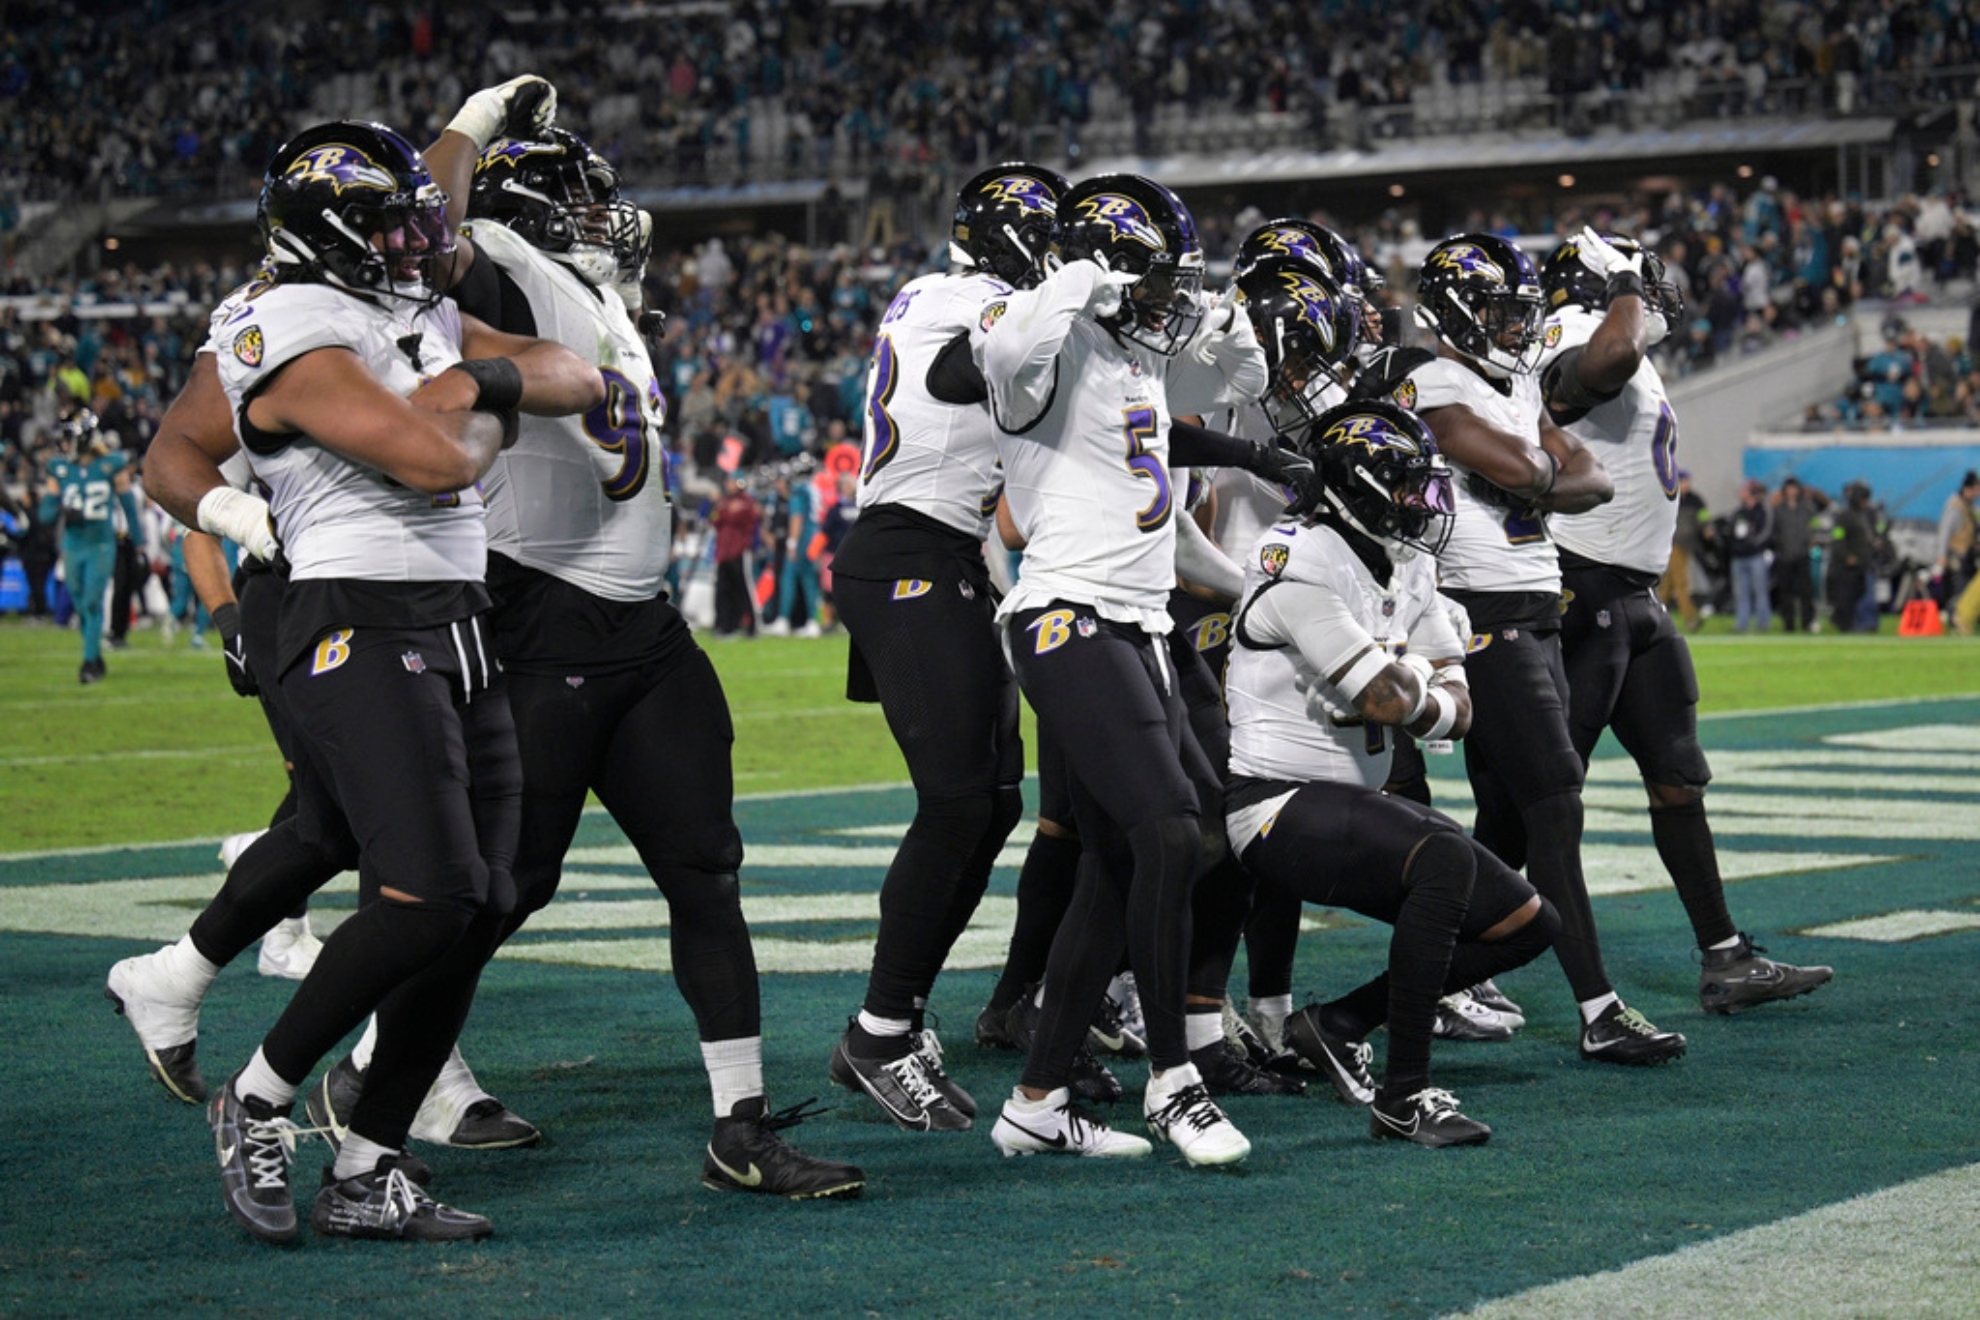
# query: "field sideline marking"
[1907,1250]
[780,794]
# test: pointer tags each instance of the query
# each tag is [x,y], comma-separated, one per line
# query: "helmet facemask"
[1163,309]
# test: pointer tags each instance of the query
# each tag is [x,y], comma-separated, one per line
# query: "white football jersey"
[1083,430]
[1287,721]
[936,458]
[338,518]
[1635,435]
[1491,549]
[583,498]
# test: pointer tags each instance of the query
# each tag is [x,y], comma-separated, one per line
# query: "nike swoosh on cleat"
[754,1178]
[1415,1121]
[227,1155]
[1056,1142]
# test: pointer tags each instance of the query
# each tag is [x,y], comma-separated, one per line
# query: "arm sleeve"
[1194,446]
[1568,397]
[954,378]
[1314,618]
[1199,561]
[1019,351]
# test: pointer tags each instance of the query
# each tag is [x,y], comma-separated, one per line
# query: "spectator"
[1750,550]
[735,520]
[1851,554]
[1794,570]
[1955,549]
[1686,544]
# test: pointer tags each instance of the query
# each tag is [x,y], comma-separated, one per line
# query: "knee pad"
[1006,810]
[1442,868]
[420,932]
[958,822]
[1555,818]
[1177,840]
[694,894]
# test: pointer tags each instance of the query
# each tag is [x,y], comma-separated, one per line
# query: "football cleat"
[288,950]
[1090,1079]
[1490,996]
[1060,1127]
[1738,978]
[1225,1071]
[928,1048]
[255,1143]
[1623,1035]
[1110,1035]
[387,1203]
[457,1112]
[166,1020]
[234,845]
[1460,1017]
[1343,1062]
[1429,1118]
[331,1100]
[1126,996]
[991,1031]
[901,1087]
[745,1154]
[1179,1109]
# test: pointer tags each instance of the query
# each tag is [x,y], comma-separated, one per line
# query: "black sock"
[1553,831]
[1684,842]
[1437,891]
[1044,892]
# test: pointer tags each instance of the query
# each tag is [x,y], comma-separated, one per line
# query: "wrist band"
[1625,284]
[1446,716]
[498,381]
[227,618]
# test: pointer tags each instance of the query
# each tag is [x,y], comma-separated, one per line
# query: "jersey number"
[883,436]
[1140,423]
[1524,526]
[1664,450]
[90,500]
[618,426]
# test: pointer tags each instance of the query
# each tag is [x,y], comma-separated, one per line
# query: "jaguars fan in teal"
[83,485]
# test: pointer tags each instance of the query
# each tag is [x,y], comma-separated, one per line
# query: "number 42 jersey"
[582,498]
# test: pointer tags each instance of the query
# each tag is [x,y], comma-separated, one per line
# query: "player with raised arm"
[1083,373]
[1341,639]
[1480,296]
[1628,667]
[914,591]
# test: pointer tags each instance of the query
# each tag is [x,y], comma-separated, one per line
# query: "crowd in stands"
[147,94]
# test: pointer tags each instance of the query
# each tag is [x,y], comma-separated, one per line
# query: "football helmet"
[1313,243]
[351,204]
[1381,474]
[1565,279]
[561,197]
[1309,329]
[81,435]
[1480,295]
[1130,224]
[1005,221]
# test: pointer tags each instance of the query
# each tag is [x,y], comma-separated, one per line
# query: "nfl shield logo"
[1601,618]
[574,682]
[1388,609]
[1087,627]
[414,662]
[1512,634]
[968,592]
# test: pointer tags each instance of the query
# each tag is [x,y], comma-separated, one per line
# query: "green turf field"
[1847,813]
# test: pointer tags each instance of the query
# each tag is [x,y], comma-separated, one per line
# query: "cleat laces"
[913,1077]
[1192,1106]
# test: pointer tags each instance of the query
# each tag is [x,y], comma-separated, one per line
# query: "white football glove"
[1109,287]
[1656,328]
[241,518]
[523,107]
[1603,257]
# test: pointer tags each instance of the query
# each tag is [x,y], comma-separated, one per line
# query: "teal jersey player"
[84,488]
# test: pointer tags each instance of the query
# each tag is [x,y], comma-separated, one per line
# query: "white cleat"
[165,1016]
[1057,1126]
[289,950]
[1179,1110]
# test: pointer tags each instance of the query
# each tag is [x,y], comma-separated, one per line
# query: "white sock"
[879,1026]
[1594,1008]
[735,1071]
[361,1052]
[265,1084]
[1038,999]
[1732,943]
[358,1155]
[1271,1008]
[1201,1028]
[456,1082]
[188,966]
[1024,1104]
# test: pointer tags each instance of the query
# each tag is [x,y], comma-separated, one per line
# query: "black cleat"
[387,1203]
[991,1033]
[1739,978]
[901,1087]
[1429,1118]
[331,1100]
[1343,1062]
[1226,1072]
[746,1155]
[1488,994]
[928,1048]
[1623,1035]
[1110,1034]
[1090,1080]
[1460,1017]
[255,1143]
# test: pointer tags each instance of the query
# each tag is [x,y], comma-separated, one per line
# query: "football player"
[88,483]
[610,692]
[1628,667]
[1480,296]
[914,591]
[346,376]
[1341,638]
[1083,372]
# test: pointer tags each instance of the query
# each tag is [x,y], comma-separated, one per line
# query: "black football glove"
[1496,496]
[228,620]
[1284,466]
